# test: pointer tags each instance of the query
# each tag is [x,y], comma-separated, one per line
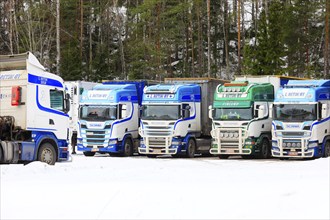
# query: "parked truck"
[75,90]
[109,118]
[174,118]
[241,121]
[33,112]
[301,122]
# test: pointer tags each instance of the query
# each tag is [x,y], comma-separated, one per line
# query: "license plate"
[157,151]
[293,153]
[230,151]
[95,149]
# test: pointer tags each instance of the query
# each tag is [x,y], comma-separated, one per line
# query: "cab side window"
[56,99]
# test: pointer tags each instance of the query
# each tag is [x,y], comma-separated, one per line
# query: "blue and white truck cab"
[109,118]
[33,112]
[301,120]
[174,118]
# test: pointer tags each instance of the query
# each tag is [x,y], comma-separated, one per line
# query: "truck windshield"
[160,112]
[232,114]
[98,113]
[295,112]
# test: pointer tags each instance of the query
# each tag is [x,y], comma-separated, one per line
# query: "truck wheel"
[264,149]
[191,148]
[47,153]
[1,155]
[128,148]
[326,149]
[89,154]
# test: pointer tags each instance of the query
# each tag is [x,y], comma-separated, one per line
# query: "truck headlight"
[312,145]
[176,142]
[113,141]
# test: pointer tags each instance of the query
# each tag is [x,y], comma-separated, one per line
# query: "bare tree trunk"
[326,46]
[242,32]
[225,31]
[16,30]
[191,35]
[256,22]
[10,15]
[81,27]
[90,67]
[239,37]
[200,43]
[58,48]
[121,45]
[158,39]
[208,40]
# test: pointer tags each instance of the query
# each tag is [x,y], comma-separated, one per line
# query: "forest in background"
[98,40]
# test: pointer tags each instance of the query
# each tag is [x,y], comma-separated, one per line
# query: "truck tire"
[1,155]
[264,149]
[326,149]
[128,148]
[47,153]
[89,154]
[191,148]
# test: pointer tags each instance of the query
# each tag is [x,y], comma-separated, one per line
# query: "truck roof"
[18,61]
[172,93]
[309,83]
[304,91]
[240,91]
[110,93]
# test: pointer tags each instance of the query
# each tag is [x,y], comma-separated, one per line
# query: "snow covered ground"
[104,187]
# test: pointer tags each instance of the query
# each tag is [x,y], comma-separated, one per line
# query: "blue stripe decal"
[125,99]
[42,108]
[44,81]
[39,129]
[187,119]
[121,121]
[320,122]
[196,98]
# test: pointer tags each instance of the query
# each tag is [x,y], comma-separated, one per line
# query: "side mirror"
[271,110]
[185,111]
[67,103]
[210,112]
[324,112]
[141,108]
[122,111]
[261,111]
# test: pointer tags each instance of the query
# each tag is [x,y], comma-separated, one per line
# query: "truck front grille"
[95,137]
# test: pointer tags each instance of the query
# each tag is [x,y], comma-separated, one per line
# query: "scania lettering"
[33,112]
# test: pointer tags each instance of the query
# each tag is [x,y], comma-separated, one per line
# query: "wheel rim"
[47,156]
